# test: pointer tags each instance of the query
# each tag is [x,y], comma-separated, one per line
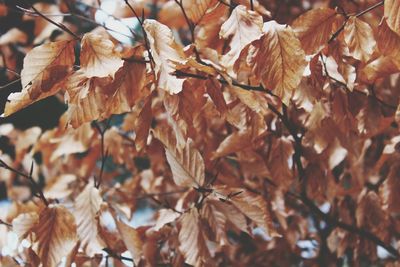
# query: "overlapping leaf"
[165,52]
[87,206]
[392,14]
[315,27]
[360,38]
[45,68]
[55,235]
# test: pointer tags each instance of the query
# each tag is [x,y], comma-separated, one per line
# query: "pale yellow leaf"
[359,38]
[165,52]
[315,27]
[131,239]
[392,14]
[23,224]
[244,26]
[87,206]
[98,56]
[45,68]
[55,235]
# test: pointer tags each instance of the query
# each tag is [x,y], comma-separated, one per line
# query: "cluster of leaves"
[246,142]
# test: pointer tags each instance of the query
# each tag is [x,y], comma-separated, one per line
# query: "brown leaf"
[191,239]
[388,41]
[45,68]
[55,235]
[132,240]
[253,206]
[278,59]
[165,52]
[360,38]
[392,14]
[315,27]
[187,165]
[87,206]
[197,10]
[98,56]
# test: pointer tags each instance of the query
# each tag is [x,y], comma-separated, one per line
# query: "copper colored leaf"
[252,205]
[55,235]
[388,41]
[392,14]
[87,206]
[360,38]
[314,28]
[98,56]
[196,10]
[131,239]
[191,239]
[45,67]
[278,59]
[187,165]
[165,52]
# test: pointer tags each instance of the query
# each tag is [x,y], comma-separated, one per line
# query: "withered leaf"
[315,27]
[45,68]
[55,234]
[98,56]
[360,38]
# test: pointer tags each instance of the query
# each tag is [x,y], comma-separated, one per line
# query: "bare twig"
[341,28]
[59,25]
[146,40]
[37,190]
[104,153]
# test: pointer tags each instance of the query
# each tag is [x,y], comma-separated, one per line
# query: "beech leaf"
[55,235]
[45,68]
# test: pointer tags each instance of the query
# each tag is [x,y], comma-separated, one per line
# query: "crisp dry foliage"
[202,133]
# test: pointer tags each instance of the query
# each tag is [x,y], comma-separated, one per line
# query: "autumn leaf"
[192,240]
[23,224]
[392,14]
[165,51]
[131,239]
[197,10]
[277,58]
[388,41]
[360,38]
[187,165]
[253,206]
[45,68]
[55,234]
[315,27]
[98,56]
[87,206]
[244,26]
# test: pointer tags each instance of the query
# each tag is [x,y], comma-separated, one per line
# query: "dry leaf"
[165,52]
[45,68]
[360,38]
[392,14]
[55,235]
[187,165]
[315,27]
[87,206]
[98,56]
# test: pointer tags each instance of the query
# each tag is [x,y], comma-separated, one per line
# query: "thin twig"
[104,153]
[146,41]
[37,190]
[341,28]
[59,25]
